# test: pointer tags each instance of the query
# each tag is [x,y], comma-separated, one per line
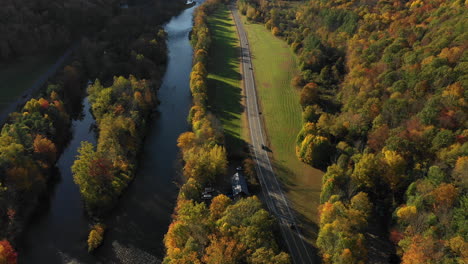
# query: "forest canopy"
[384,93]
[30,26]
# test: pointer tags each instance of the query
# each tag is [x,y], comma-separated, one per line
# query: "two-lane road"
[273,194]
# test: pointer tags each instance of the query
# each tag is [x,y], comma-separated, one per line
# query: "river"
[137,226]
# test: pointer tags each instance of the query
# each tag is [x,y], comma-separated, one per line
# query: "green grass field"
[224,86]
[274,66]
[20,75]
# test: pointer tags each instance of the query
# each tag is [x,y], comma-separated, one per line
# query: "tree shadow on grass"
[224,98]
[225,101]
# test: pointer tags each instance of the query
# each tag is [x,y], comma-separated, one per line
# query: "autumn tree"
[460,172]
[268,256]
[366,171]
[309,94]
[93,173]
[314,150]
[340,238]
[394,171]
[45,149]
[218,206]
[8,254]
[95,237]
[223,250]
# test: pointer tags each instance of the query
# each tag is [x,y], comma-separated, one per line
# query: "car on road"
[207,196]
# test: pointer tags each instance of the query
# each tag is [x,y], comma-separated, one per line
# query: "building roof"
[239,185]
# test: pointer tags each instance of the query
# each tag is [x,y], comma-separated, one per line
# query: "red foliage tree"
[8,254]
[101,169]
[376,139]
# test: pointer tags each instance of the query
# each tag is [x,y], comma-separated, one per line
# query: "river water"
[59,230]
[137,226]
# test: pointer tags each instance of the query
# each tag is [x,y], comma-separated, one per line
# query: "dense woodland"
[32,26]
[132,43]
[32,139]
[225,231]
[29,27]
[383,88]
[384,94]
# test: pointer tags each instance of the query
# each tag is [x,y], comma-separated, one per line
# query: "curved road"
[28,93]
[274,197]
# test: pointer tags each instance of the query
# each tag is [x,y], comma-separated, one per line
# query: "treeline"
[383,89]
[203,150]
[28,153]
[37,26]
[226,231]
[33,26]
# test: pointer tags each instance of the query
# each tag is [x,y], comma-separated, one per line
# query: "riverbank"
[49,241]
[60,227]
[32,141]
[137,225]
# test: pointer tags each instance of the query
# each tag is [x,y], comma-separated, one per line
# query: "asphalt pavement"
[274,197]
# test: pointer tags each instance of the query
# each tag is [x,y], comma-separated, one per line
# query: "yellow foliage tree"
[460,172]
[407,213]
[95,237]
[218,206]
[395,166]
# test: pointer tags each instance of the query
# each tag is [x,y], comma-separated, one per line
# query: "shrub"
[249,168]
[96,236]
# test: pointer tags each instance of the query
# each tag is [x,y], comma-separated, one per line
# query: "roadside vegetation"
[274,66]
[226,231]
[383,89]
